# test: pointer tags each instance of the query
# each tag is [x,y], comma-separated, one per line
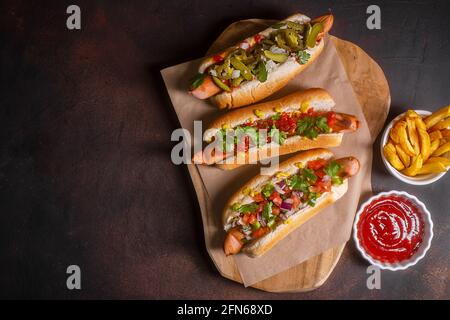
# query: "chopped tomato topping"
[295,201]
[320,173]
[275,210]
[252,218]
[286,123]
[260,232]
[258,197]
[276,199]
[322,185]
[317,164]
[331,119]
[244,144]
[245,218]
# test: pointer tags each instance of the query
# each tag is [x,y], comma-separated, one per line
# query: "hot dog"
[300,121]
[268,208]
[262,64]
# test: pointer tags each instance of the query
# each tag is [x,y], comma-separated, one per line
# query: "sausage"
[207,89]
[233,243]
[345,123]
[349,166]
[209,159]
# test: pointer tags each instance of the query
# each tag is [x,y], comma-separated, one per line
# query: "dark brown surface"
[85,170]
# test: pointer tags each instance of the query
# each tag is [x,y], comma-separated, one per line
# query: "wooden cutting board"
[372,91]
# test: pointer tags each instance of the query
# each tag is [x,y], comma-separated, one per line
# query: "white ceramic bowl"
[417,180]
[424,246]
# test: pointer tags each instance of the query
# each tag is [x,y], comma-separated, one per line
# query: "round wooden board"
[372,90]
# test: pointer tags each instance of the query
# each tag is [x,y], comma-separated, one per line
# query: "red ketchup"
[258,38]
[390,229]
[218,58]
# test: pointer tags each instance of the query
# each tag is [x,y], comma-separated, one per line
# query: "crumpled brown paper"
[328,229]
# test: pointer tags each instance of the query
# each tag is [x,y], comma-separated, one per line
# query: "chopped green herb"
[303,56]
[298,183]
[332,168]
[248,208]
[303,125]
[277,136]
[267,190]
[267,211]
[226,142]
[322,124]
[310,127]
[276,116]
[309,175]
[312,198]
[235,206]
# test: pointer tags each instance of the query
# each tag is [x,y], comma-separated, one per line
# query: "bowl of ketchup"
[393,230]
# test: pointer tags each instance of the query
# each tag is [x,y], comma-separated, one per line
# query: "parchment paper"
[332,226]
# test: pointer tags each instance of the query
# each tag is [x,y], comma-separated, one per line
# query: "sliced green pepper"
[249,60]
[261,72]
[237,81]
[240,54]
[291,38]
[220,84]
[228,72]
[197,81]
[277,57]
[281,42]
[268,42]
[312,34]
[295,26]
[245,72]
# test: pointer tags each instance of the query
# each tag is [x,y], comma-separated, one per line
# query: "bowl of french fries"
[415,146]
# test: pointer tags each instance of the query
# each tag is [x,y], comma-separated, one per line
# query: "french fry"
[415,166]
[442,149]
[393,134]
[443,124]
[435,135]
[392,157]
[434,145]
[403,139]
[420,124]
[411,114]
[432,167]
[425,144]
[437,116]
[445,133]
[404,157]
[443,160]
[412,135]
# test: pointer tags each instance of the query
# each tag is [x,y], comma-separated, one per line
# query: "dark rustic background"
[85,170]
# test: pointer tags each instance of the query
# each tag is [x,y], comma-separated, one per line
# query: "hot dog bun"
[260,246]
[318,99]
[253,91]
